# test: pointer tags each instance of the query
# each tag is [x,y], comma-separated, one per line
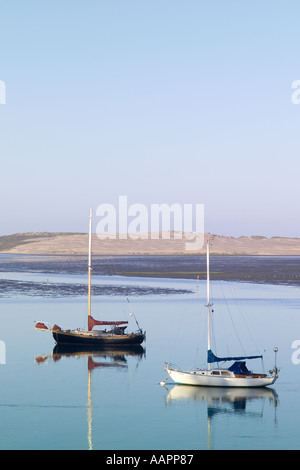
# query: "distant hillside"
[8,242]
[49,243]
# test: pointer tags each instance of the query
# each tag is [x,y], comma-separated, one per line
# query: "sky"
[163,101]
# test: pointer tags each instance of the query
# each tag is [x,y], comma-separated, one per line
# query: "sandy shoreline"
[77,244]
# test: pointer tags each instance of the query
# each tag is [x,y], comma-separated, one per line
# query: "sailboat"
[115,336]
[237,375]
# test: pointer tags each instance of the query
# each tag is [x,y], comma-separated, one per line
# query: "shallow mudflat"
[258,269]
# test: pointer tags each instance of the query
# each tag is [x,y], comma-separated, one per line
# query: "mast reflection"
[96,358]
[221,401]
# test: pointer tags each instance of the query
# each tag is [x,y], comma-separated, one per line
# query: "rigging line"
[213,335]
[179,329]
[243,318]
[212,328]
[224,331]
[241,345]
[112,267]
[201,338]
[263,365]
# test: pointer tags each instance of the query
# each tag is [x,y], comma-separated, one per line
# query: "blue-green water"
[44,395]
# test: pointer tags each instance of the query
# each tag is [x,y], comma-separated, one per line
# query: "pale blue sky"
[165,101]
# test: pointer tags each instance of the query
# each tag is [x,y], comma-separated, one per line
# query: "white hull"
[236,376]
[219,378]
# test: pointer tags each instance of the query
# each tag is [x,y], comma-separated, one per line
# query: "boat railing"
[170,365]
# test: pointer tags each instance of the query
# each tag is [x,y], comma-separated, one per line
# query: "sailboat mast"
[208,300]
[90,264]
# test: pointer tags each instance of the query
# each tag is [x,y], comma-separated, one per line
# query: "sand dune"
[77,244]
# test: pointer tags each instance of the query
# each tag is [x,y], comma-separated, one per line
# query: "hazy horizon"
[117,234]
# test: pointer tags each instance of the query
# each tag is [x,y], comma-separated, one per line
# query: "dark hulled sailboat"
[114,336]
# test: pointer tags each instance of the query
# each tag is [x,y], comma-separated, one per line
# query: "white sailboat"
[237,375]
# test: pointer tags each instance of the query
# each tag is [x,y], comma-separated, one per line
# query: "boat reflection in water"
[116,355]
[221,401]
[96,358]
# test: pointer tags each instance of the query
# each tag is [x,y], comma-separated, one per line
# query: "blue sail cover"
[212,358]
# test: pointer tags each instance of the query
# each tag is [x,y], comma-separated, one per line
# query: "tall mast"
[208,300]
[90,264]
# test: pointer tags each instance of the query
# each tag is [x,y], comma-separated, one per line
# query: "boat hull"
[207,379]
[87,338]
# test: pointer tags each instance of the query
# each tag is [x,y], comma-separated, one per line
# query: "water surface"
[53,399]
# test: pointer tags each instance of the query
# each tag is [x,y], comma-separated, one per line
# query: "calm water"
[109,400]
